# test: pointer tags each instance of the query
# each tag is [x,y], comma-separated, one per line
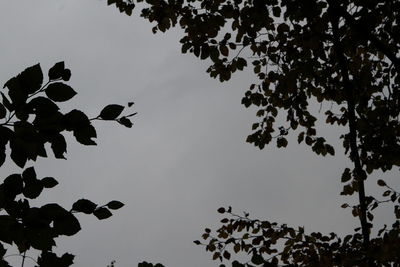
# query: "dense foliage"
[344,55]
[30,118]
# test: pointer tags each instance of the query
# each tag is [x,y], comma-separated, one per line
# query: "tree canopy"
[344,55]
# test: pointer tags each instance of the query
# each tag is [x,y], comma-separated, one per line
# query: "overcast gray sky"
[185,156]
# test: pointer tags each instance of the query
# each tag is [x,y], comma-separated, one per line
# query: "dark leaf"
[84,205]
[59,92]
[221,210]
[29,174]
[114,205]
[42,106]
[66,75]
[346,176]
[111,112]
[56,71]
[17,95]
[33,189]
[84,135]
[3,111]
[59,146]
[64,222]
[126,122]
[13,184]
[18,155]
[49,182]
[31,79]
[75,119]
[257,259]
[381,182]
[102,213]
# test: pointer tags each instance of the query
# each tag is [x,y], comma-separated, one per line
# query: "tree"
[30,119]
[342,53]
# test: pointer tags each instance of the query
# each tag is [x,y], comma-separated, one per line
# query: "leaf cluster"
[272,244]
[30,118]
[289,45]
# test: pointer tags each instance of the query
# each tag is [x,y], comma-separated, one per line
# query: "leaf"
[59,146]
[111,112]
[29,174]
[276,11]
[346,176]
[75,119]
[56,71]
[33,189]
[102,213]
[257,259]
[16,92]
[115,205]
[221,210]
[84,135]
[59,92]
[64,222]
[66,75]
[85,206]
[3,111]
[125,122]
[13,185]
[281,142]
[18,155]
[42,106]
[381,182]
[49,182]
[31,79]
[224,50]
[227,255]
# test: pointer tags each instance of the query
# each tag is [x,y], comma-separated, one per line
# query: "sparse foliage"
[344,55]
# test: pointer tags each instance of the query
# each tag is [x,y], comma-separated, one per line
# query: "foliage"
[342,54]
[30,119]
[146,264]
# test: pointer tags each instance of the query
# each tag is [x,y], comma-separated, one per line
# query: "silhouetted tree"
[29,119]
[343,54]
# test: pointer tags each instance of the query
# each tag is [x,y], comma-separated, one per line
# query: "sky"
[186,154]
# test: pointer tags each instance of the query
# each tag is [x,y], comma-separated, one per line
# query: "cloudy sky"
[186,155]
